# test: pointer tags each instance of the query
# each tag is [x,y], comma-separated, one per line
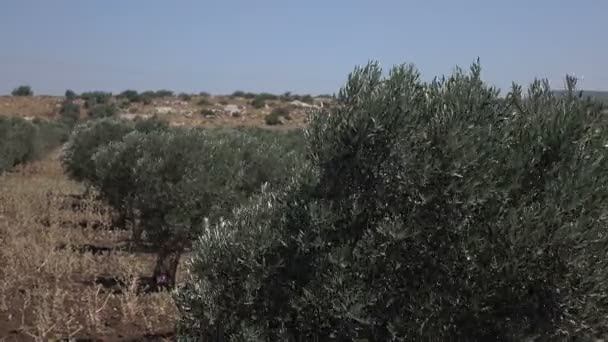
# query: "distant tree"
[93,98]
[185,97]
[163,93]
[70,95]
[24,90]
[238,93]
[131,95]
[307,99]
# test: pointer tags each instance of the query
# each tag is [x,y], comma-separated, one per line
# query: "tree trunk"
[120,221]
[137,232]
[165,270]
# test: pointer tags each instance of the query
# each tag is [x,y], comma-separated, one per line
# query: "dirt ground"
[64,274]
[30,106]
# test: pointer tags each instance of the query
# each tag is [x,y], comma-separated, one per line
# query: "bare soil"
[64,273]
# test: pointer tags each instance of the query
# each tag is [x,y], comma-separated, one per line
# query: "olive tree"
[176,179]
[84,141]
[430,211]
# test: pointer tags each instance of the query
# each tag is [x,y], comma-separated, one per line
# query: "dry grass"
[29,106]
[182,113]
[50,287]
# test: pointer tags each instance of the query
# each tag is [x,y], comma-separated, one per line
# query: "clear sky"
[299,46]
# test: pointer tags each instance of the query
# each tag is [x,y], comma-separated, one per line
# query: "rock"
[164,110]
[302,104]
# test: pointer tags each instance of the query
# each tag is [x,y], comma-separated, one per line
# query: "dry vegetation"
[64,273]
[179,112]
[28,106]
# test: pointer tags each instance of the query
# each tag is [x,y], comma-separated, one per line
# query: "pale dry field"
[63,271]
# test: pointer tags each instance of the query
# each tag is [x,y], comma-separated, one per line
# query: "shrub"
[308,99]
[430,211]
[94,98]
[145,99]
[258,103]
[282,112]
[204,94]
[274,118]
[131,95]
[163,93]
[185,97]
[207,112]
[70,95]
[22,141]
[103,111]
[69,112]
[203,102]
[17,142]
[23,90]
[286,97]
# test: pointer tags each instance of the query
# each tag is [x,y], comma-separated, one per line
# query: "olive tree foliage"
[23,141]
[78,162]
[177,179]
[85,139]
[429,211]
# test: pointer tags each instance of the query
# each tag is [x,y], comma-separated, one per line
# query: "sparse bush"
[207,112]
[185,97]
[145,99]
[204,94]
[130,95]
[204,102]
[24,90]
[282,112]
[94,98]
[17,141]
[274,118]
[69,112]
[103,111]
[430,211]
[156,94]
[286,97]
[223,102]
[163,93]
[258,103]
[307,99]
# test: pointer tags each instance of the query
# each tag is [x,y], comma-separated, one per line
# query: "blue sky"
[299,46]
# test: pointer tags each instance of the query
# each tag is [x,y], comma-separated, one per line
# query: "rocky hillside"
[181,110]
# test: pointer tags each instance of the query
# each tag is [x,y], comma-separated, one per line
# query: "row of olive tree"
[22,141]
[429,212]
[166,182]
